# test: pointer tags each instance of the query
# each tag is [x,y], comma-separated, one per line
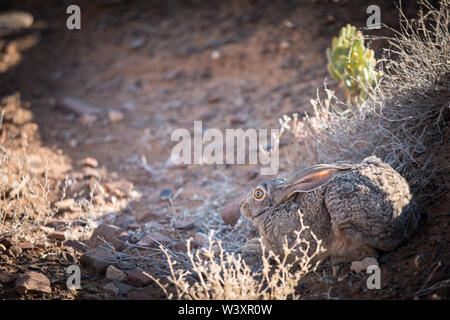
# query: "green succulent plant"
[352,64]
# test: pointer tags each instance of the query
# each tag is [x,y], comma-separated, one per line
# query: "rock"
[78,107]
[172,75]
[87,120]
[123,287]
[284,45]
[89,172]
[89,162]
[115,116]
[129,106]
[134,226]
[2,248]
[120,188]
[58,235]
[166,194]
[139,278]
[239,118]
[112,273]
[52,258]
[15,251]
[185,224]
[110,287]
[181,247]
[32,282]
[359,266]
[144,215]
[6,277]
[136,43]
[126,265]
[154,239]
[65,205]
[231,213]
[201,239]
[109,233]
[26,246]
[123,221]
[73,143]
[215,55]
[99,259]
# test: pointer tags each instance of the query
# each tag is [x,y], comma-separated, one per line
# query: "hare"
[355,209]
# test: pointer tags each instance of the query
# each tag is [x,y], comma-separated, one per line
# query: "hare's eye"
[258,193]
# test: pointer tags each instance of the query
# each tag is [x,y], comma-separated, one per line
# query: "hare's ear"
[312,178]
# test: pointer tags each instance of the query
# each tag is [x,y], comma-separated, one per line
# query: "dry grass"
[406,113]
[24,205]
[215,274]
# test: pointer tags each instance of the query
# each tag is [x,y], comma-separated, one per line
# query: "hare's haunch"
[355,209]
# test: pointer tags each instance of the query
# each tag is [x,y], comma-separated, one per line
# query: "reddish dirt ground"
[164,65]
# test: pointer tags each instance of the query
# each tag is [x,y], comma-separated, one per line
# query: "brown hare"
[355,209]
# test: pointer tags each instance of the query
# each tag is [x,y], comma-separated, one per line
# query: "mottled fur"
[363,208]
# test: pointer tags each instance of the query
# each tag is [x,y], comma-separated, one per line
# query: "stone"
[185,224]
[65,205]
[58,235]
[6,277]
[112,273]
[110,287]
[231,213]
[359,266]
[145,215]
[201,239]
[136,43]
[15,251]
[111,234]
[89,162]
[166,194]
[120,188]
[87,120]
[124,288]
[26,246]
[89,172]
[239,118]
[99,259]
[77,106]
[123,221]
[154,239]
[139,278]
[215,55]
[284,45]
[32,282]
[115,116]
[134,226]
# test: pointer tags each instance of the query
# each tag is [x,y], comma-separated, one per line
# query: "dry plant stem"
[222,275]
